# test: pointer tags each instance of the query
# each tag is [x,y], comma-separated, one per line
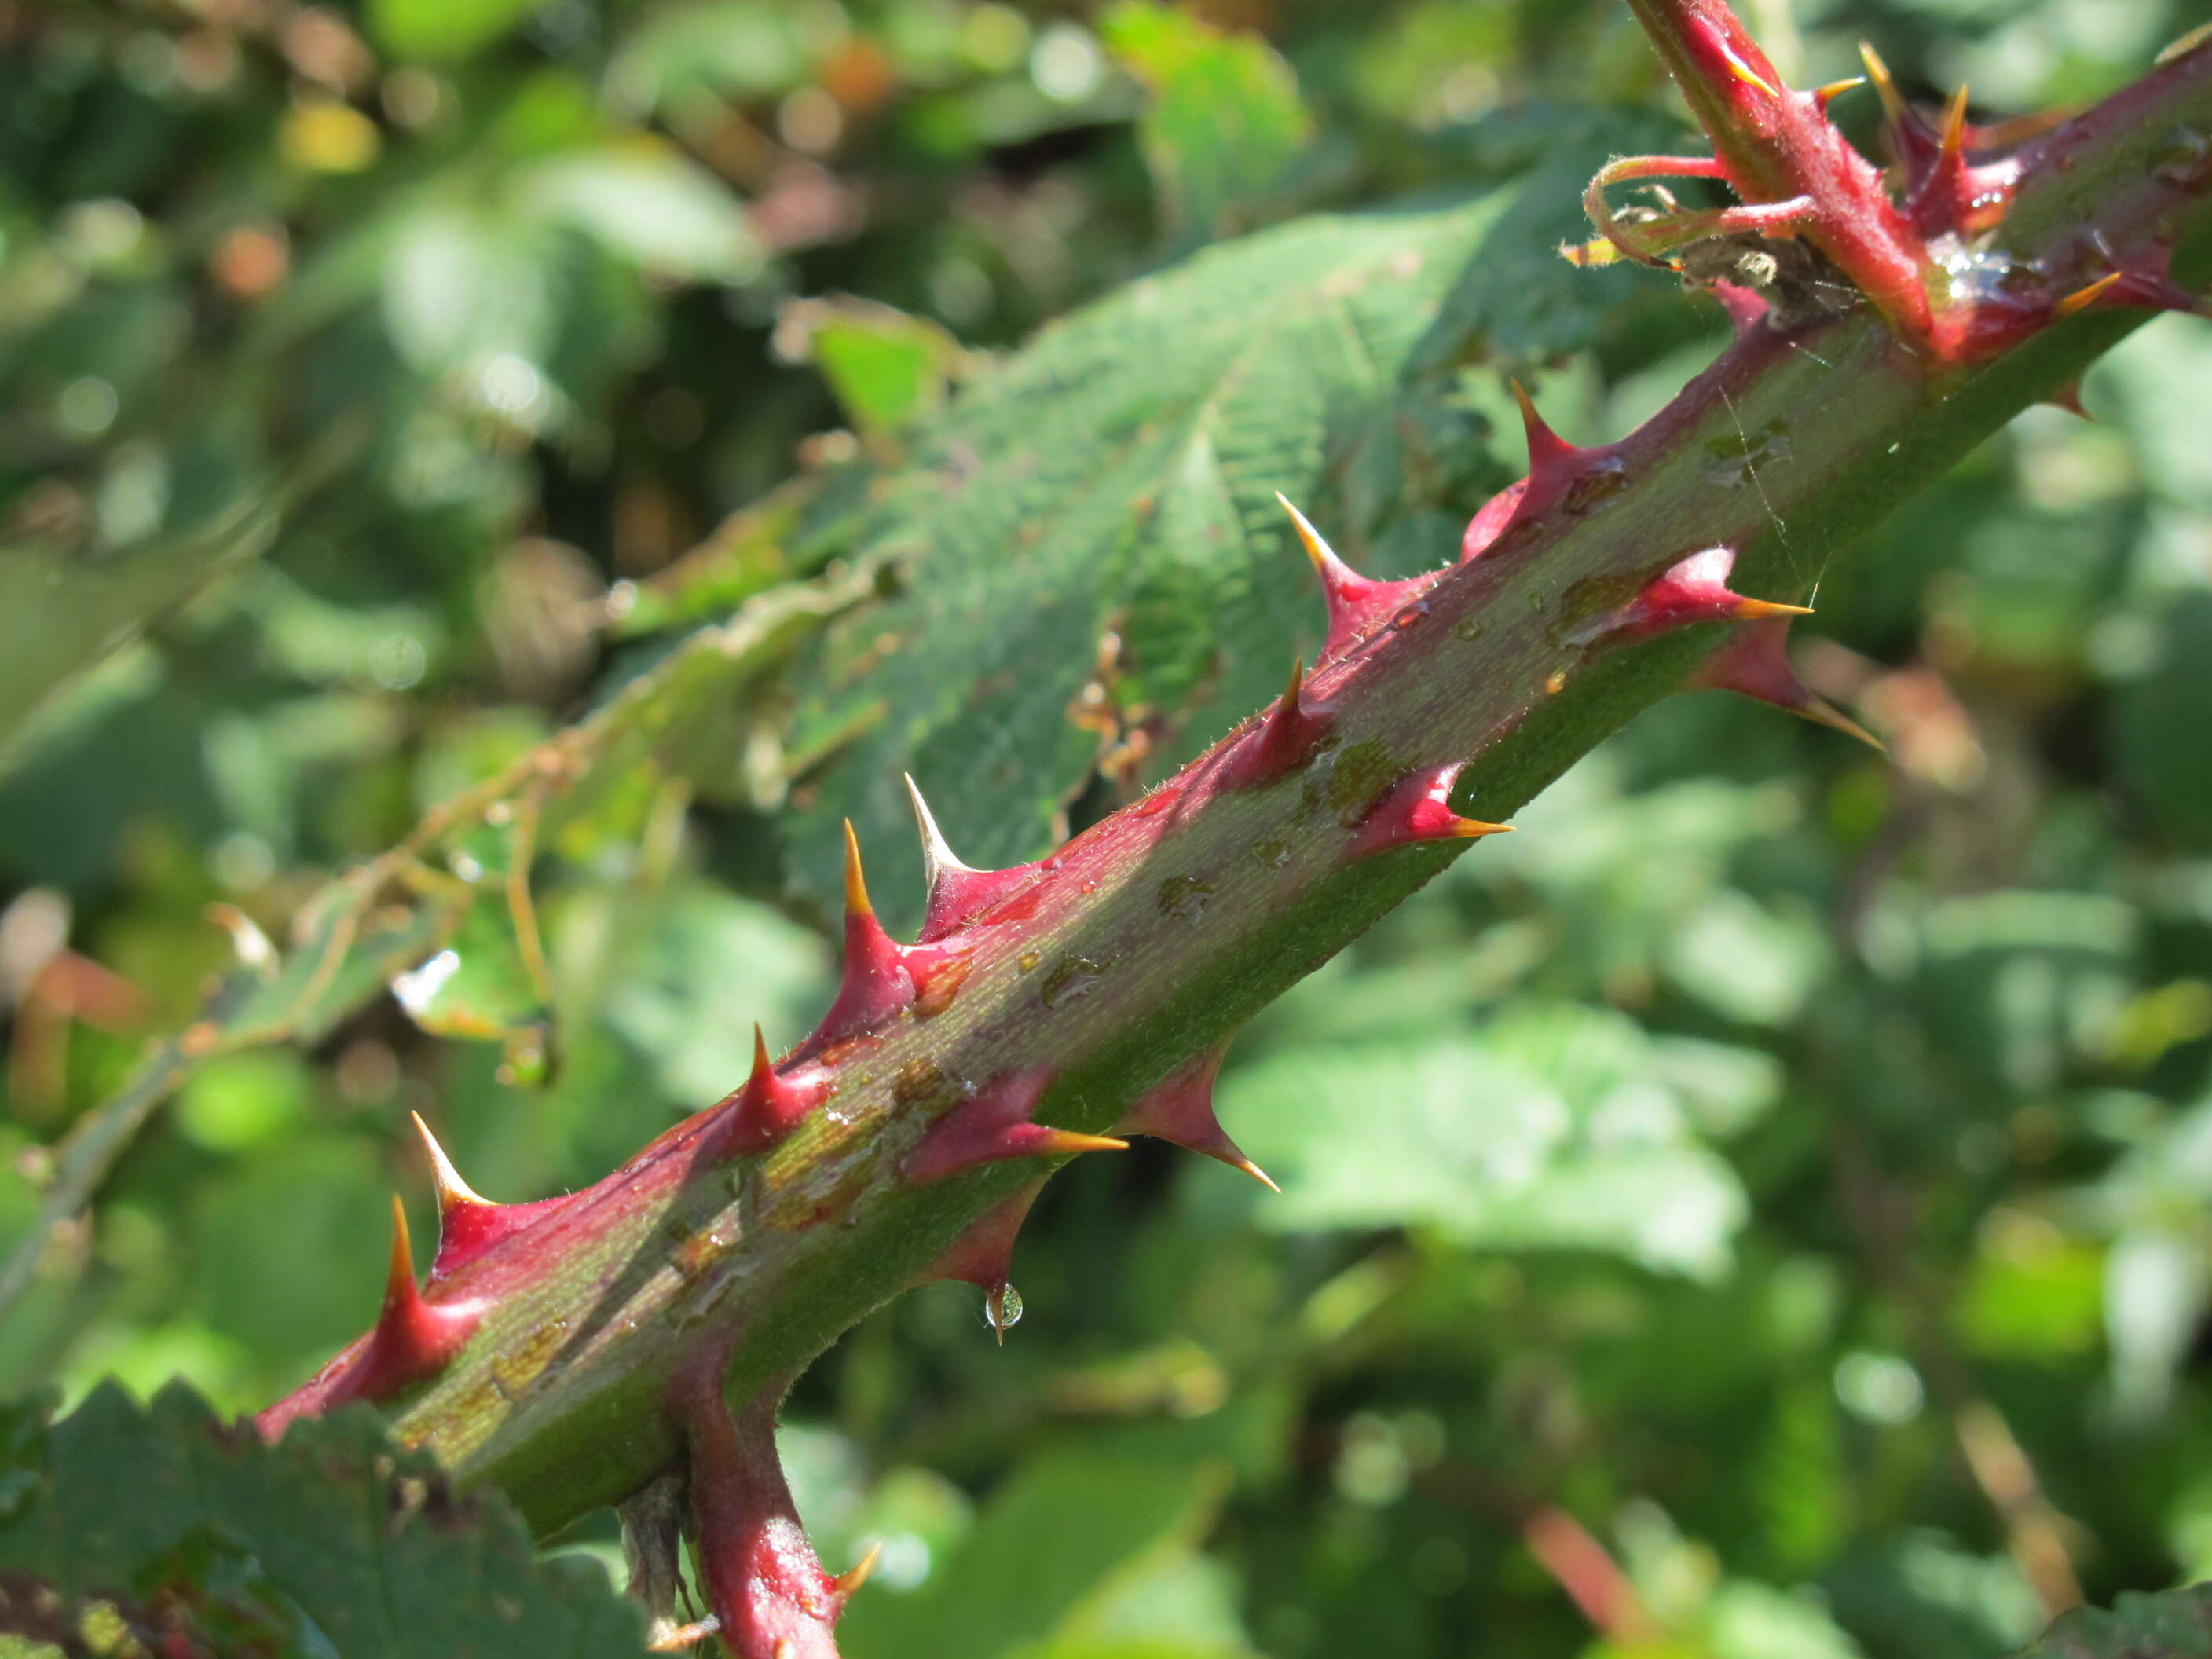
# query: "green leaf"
[1550,1128]
[2030,982]
[1223,121]
[886,367]
[1175,1604]
[1062,1529]
[1108,495]
[335,1540]
[2172,1625]
[709,957]
[2158,717]
[648,205]
[734,49]
[47,639]
[459,286]
[443,30]
[486,984]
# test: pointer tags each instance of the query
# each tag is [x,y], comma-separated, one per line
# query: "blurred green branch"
[399,910]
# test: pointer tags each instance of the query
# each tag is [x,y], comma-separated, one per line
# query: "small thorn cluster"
[1908,241]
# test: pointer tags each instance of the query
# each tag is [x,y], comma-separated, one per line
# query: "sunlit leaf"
[1545,1131]
[1222,121]
[441,30]
[1054,1537]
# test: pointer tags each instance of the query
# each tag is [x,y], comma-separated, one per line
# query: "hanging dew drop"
[1002,1310]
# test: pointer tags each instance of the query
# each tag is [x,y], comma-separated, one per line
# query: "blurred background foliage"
[1759,1210]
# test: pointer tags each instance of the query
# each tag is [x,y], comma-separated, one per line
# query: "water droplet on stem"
[1002,1310]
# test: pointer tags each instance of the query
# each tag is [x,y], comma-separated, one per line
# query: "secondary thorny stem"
[1043,1010]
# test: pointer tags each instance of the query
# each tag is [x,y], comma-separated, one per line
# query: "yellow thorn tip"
[1748,75]
[1759,609]
[1885,88]
[1528,415]
[856,885]
[1067,1142]
[1317,548]
[2082,298]
[2189,42]
[857,1575]
[401,1282]
[1821,712]
[452,1189]
[1954,122]
[1257,1174]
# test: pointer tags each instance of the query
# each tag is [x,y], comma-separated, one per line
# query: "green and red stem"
[576,1349]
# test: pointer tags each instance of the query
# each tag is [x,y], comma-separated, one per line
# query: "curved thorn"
[1827,94]
[2068,397]
[1049,1142]
[1953,139]
[983,1254]
[854,1577]
[2082,298]
[1417,808]
[413,1339]
[1691,591]
[2183,43]
[1353,601]
[856,885]
[1545,445]
[766,1108]
[875,982]
[1288,735]
[1179,1109]
[1893,105]
[1755,663]
[938,857]
[452,1190]
[399,1288]
[992,1126]
[1357,605]
[1330,568]
[1745,73]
